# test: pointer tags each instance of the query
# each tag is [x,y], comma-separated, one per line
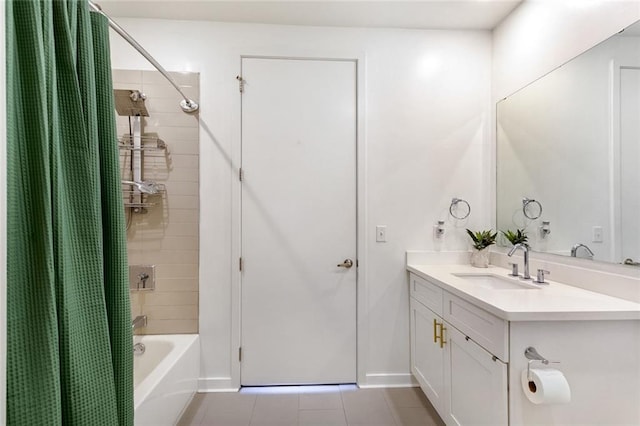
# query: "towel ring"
[525,203]
[454,206]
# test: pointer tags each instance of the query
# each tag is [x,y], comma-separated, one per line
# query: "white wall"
[427,131]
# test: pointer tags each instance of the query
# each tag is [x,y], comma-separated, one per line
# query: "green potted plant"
[518,237]
[482,241]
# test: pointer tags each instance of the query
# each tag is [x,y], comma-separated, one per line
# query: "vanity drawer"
[426,293]
[487,330]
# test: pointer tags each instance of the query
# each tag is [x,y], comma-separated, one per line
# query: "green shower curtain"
[69,357]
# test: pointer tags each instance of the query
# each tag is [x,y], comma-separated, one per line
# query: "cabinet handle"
[442,330]
[435,331]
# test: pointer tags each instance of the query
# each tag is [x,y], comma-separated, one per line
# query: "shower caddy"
[139,196]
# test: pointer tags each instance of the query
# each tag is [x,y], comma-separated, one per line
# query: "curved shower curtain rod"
[187,105]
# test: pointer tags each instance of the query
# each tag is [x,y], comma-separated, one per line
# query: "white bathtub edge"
[144,389]
[161,398]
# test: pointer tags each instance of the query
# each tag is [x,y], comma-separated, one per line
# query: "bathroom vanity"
[471,326]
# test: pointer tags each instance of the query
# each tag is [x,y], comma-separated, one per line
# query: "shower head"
[144,187]
[130,103]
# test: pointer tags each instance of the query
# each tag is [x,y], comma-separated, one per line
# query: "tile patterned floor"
[343,405]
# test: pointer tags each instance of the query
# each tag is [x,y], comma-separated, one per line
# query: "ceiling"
[429,14]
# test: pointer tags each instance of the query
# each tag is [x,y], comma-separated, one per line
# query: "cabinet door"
[427,358]
[476,383]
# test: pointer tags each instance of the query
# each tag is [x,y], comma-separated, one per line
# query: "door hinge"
[240,354]
[241,174]
[241,264]
[240,83]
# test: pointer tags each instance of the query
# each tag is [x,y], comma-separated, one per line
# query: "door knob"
[348,263]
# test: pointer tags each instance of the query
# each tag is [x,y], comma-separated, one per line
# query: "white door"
[630,163]
[298,221]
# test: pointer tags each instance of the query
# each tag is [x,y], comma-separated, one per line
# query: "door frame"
[362,335]
[615,163]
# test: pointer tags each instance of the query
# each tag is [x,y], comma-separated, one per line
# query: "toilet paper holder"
[533,356]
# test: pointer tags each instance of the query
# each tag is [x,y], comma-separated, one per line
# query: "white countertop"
[553,302]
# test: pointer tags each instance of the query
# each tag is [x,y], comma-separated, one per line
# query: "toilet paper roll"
[546,386]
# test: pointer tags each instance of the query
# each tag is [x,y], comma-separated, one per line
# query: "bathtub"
[165,377]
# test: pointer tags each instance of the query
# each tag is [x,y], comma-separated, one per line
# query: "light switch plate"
[381,233]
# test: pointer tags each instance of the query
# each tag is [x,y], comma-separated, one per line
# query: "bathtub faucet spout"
[139,322]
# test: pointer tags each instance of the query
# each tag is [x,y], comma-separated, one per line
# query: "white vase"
[480,258]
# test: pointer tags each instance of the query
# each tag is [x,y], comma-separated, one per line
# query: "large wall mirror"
[568,156]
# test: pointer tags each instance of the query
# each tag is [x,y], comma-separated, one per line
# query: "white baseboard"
[389,380]
[382,380]
[217,384]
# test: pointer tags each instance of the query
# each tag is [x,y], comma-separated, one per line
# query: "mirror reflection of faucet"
[574,250]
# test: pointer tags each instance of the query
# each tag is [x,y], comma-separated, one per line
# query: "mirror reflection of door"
[630,164]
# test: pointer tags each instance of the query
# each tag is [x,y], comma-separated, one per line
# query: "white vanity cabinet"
[475,377]
[465,383]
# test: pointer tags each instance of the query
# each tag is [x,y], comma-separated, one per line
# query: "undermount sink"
[498,282]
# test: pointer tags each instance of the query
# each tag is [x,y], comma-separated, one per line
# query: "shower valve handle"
[143,277]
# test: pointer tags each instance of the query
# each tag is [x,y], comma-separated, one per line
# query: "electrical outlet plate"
[137,272]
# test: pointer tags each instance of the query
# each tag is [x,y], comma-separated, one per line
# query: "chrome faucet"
[525,249]
[139,322]
[574,250]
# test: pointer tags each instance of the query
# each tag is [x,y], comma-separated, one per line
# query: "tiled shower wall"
[167,234]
